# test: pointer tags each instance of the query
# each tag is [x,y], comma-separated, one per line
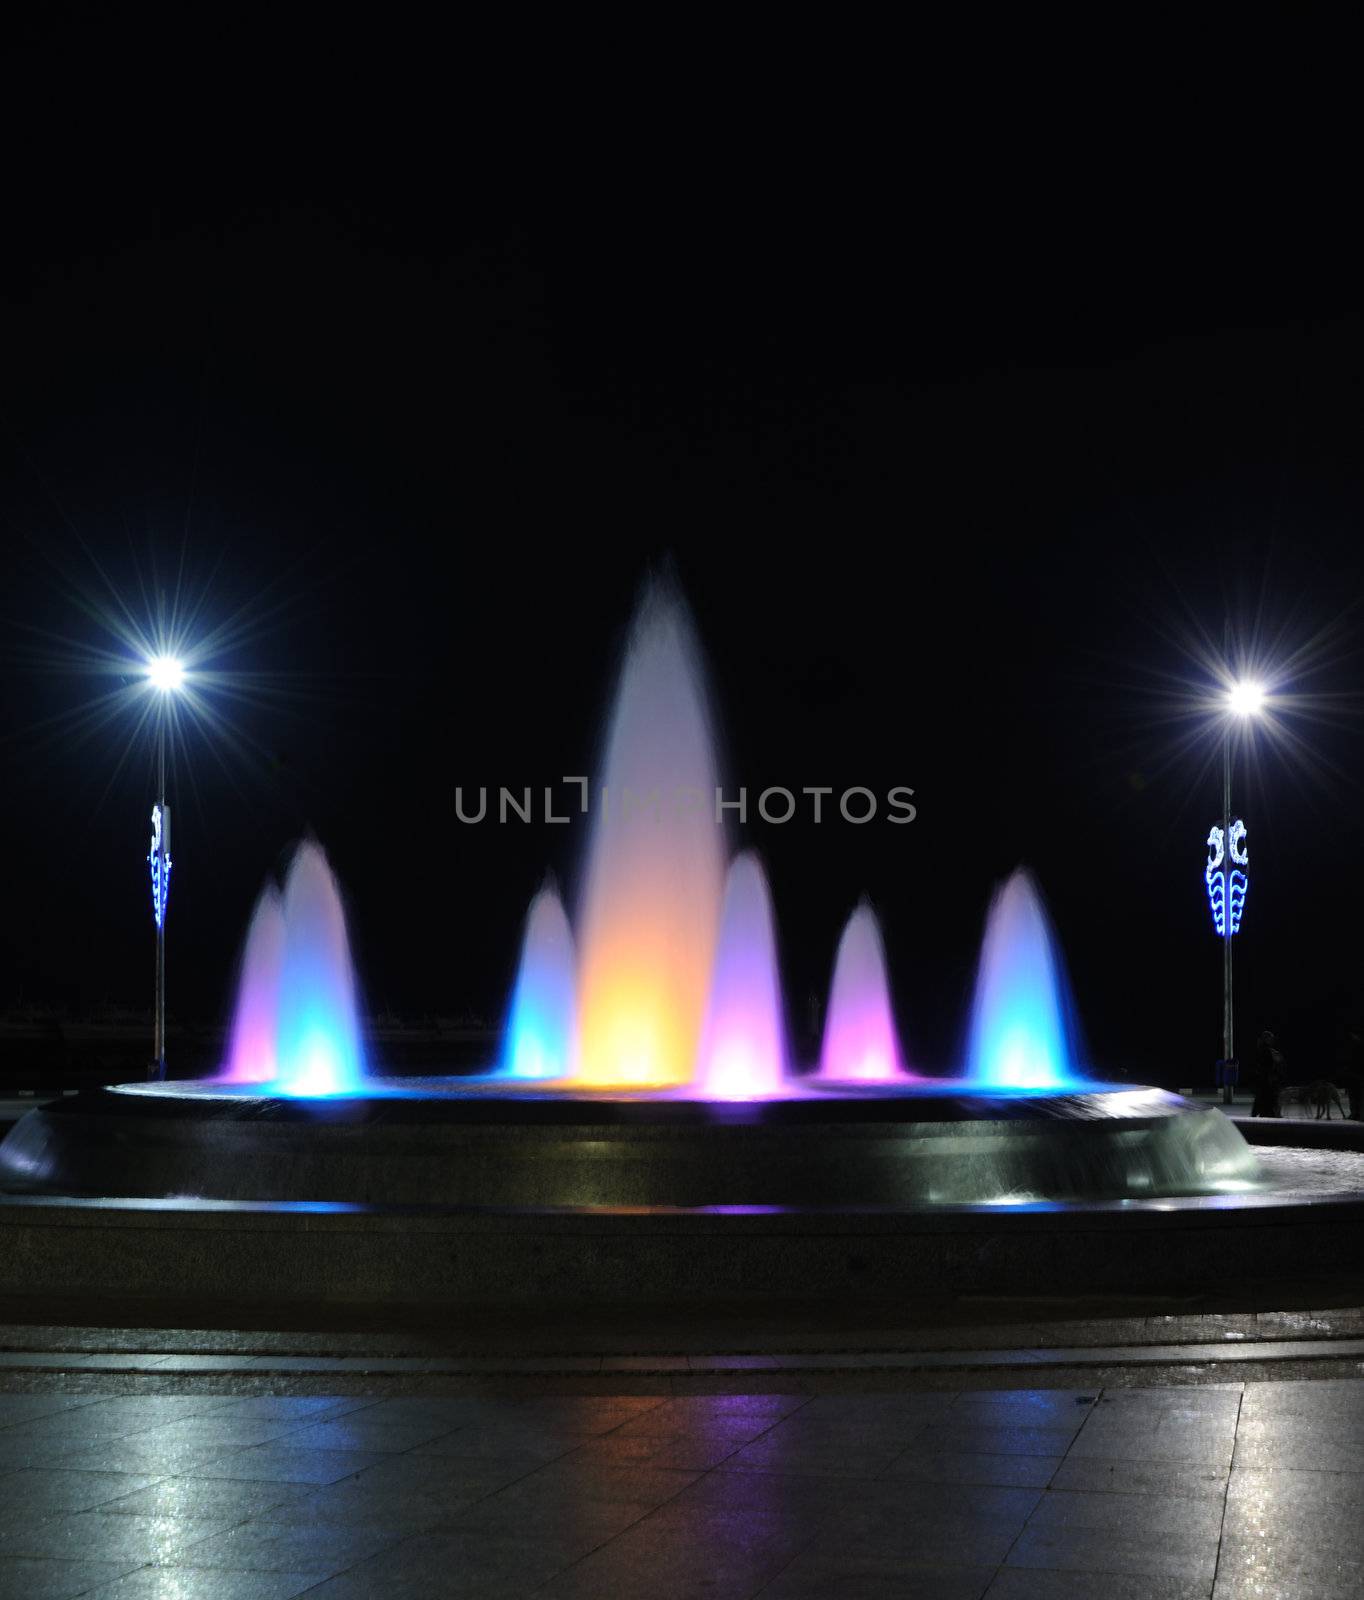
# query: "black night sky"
[960,484]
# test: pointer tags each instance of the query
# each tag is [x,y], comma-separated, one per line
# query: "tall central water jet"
[1020,1031]
[650,909]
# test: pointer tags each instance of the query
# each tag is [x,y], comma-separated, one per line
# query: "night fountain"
[645,1073]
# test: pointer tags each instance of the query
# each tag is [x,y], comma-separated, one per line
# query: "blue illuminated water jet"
[318,1045]
[1021,1037]
[542,1024]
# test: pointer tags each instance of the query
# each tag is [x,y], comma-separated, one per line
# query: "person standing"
[1269,1065]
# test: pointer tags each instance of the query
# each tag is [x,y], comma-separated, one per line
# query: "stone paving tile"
[24,1578]
[225,1431]
[819,1576]
[1095,1475]
[689,1551]
[1204,1442]
[573,1480]
[355,1503]
[931,1465]
[891,1430]
[574,1527]
[42,1491]
[322,1549]
[1327,1561]
[201,1583]
[819,1451]
[442,1411]
[443,1476]
[67,1430]
[695,1494]
[1340,1396]
[783,1493]
[881,1530]
[1325,1444]
[227,1499]
[886,1510]
[702,1445]
[515,1450]
[1018,1583]
[278,1463]
[754,1412]
[1106,1550]
[454,1566]
[858,1409]
[356,1432]
[159,1460]
[497,1434]
[580,1413]
[1298,1493]
[20,1457]
[136,1413]
[894,1543]
[1157,1516]
[1282,1586]
[107,1537]
[995,1441]
[24,1407]
[1293,1530]
[1036,1408]
[1341,1426]
[1212,1401]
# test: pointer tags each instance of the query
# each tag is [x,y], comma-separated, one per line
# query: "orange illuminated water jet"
[651,907]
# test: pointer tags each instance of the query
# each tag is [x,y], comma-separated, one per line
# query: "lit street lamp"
[165,675]
[1224,873]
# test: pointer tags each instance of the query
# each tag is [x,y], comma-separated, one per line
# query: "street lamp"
[1224,873]
[1246,699]
[165,675]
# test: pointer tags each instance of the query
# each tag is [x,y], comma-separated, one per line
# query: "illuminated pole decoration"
[1224,873]
[165,674]
[1224,885]
[159,857]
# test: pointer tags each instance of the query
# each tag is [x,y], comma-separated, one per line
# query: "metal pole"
[1228,1029]
[159,1047]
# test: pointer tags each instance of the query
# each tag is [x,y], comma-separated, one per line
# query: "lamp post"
[1244,700]
[165,675]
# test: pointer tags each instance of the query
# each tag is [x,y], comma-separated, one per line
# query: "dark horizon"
[934,532]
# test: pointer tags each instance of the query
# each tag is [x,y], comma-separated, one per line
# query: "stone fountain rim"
[485,1102]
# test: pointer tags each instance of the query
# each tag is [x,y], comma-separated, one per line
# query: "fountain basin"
[450,1142]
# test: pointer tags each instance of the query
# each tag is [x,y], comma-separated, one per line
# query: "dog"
[1319,1097]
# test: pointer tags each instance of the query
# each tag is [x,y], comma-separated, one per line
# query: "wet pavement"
[1207,1488]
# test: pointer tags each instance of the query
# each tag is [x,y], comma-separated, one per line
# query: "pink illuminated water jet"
[251,1057]
[743,1045]
[860,1043]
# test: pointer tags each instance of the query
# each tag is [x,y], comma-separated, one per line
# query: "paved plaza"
[1225,1489]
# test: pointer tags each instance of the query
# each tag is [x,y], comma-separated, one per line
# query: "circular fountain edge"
[458,1147]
